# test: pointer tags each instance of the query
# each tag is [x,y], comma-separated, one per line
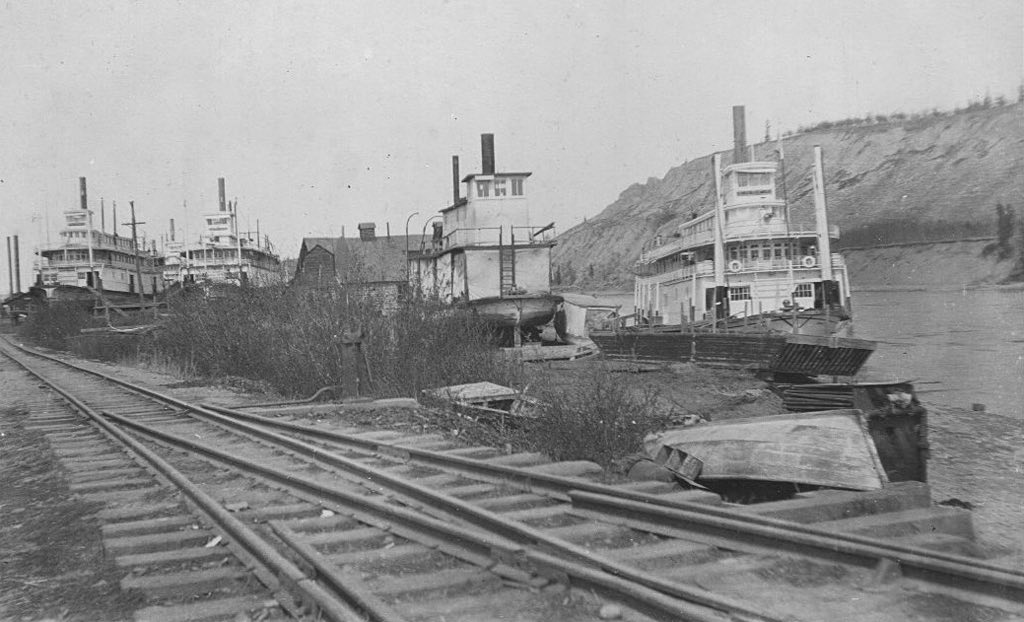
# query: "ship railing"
[739,232]
[498,236]
[702,268]
[805,262]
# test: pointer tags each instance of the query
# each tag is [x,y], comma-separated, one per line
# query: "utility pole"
[138,258]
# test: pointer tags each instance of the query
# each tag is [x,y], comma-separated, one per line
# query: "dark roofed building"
[369,262]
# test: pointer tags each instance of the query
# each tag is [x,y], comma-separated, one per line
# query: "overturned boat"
[831,449]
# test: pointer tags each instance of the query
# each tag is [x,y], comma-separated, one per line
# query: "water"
[961,347]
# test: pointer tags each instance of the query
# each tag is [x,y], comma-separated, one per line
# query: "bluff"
[926,186]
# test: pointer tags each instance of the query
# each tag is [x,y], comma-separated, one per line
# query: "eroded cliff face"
[942,175]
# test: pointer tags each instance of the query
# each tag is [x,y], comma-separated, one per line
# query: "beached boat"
[830,449]
[746,263]
[91,265]
[523,310]
[739,273]
[490,252]
[223,254]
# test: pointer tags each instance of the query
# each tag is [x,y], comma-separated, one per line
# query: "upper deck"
[751,210]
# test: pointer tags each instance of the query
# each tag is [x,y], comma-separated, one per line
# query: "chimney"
[103,216]
[172,229]
[115,219]
[487,153]
[17,264]
[10,266]
[739,134]
[220,194]
[455,179]
[367,231]
[81,193]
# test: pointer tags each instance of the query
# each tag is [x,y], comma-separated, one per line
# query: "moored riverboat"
[90,265]
[746,269]
[491,253]
[223,255]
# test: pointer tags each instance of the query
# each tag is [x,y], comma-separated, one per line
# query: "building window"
[482,188]
[739,293]
[804,290]
[517,187]
[499,187]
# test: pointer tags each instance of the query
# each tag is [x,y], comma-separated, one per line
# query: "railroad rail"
[360,527]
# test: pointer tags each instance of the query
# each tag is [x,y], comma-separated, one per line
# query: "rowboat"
[827,448]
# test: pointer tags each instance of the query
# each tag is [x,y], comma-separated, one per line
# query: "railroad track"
[227,511]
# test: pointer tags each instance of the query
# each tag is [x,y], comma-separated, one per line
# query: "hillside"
[926,179]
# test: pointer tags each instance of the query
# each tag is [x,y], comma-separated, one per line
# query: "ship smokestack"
[82,194]
[220,192]
[739,134]
[172,229]
[487,153]
[455,179]
[10,266]
[17,266]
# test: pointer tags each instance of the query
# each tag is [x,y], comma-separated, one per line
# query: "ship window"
[746,180]
[755,253]
[499,187]
[739,293]
[517,187]
[804,290]
[734,253]
[482,188]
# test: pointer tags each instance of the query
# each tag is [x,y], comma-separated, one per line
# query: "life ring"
[735,266]
[809,261]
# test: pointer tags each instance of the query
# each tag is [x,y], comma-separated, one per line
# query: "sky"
[325,114]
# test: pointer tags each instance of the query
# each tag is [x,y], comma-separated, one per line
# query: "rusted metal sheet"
[828,448]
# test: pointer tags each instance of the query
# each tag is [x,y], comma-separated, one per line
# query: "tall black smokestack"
[739,134]
[455,179]
[10,265]
[17,266]
[487,153]
[220,191]
[172,229]
[82,194]
[103,216]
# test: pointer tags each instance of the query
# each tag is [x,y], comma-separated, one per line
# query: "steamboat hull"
[807,355]
[513,311]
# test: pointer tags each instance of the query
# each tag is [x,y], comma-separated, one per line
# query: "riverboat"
[223,254]
[745,265]
[490,253]
[92,265]
[741,272]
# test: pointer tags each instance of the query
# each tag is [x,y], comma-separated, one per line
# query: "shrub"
[53,324]
[294,340]
[598,416]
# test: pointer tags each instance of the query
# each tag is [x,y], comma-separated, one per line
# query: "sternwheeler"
[743,284]
[95,266]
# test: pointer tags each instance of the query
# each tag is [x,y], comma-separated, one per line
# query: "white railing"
[703,268]
[733,233]
[498,236]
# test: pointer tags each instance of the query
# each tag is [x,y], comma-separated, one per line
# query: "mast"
[821,217]
[138,257]
[716,165]
[88,234]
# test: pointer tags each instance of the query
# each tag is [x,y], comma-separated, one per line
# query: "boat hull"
[778,353]
[828,448]
[526,311]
